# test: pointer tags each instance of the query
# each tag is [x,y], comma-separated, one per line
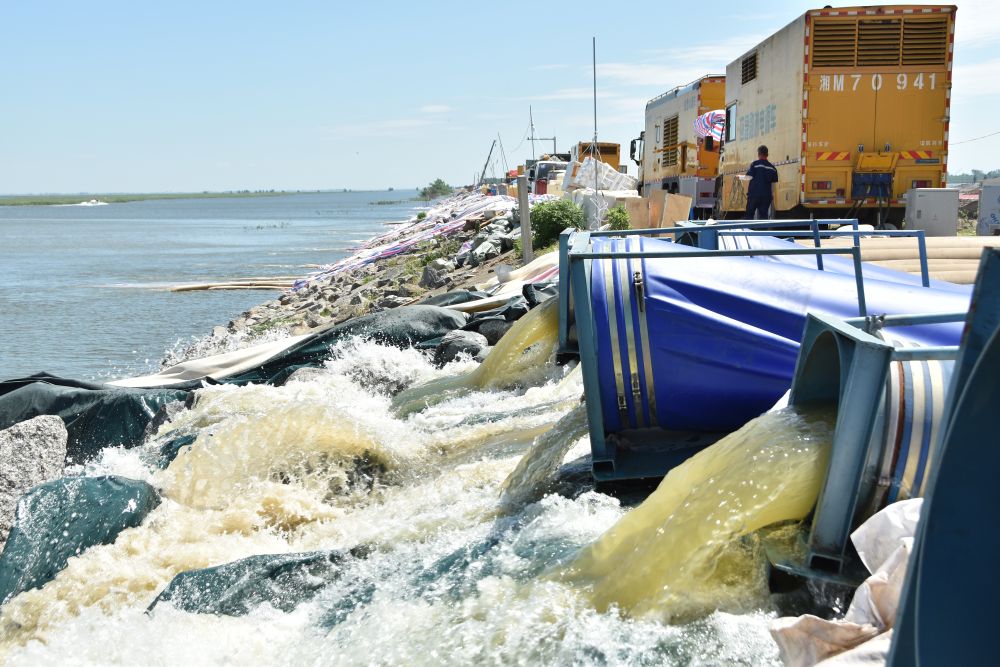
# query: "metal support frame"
[708,239]
[842,364]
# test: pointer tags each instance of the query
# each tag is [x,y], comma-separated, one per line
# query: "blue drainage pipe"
[680,346]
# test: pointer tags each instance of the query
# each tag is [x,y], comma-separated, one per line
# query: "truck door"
[911,102]
[840,108]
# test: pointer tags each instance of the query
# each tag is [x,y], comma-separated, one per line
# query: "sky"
[188,96]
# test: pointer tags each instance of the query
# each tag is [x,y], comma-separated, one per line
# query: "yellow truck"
[673,156]
[853,104]
[607,152]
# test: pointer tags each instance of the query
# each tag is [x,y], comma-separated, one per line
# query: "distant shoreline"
[63,199]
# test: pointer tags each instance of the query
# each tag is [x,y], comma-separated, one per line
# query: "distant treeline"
[977,176]
[48,200]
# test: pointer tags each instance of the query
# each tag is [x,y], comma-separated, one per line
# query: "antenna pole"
[593,149]
[503,155]
[531,120]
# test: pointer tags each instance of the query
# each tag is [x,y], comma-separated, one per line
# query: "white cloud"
[678,66]
[972,80]
[391,127]
[570,94]
[435,108]
[976,23]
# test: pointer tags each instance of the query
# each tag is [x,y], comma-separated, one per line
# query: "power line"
[967,141]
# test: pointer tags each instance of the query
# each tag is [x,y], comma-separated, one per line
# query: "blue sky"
[187,96]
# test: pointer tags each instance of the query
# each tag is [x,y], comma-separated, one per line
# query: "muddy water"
[679,554]
[451,576]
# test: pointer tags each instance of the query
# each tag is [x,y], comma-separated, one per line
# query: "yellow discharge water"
[534,471]
[519,356]
[678,555]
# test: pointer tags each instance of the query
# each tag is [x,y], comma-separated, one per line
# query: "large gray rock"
[484,251]
[394,301]
[31,452]
[494,329]
[456,342]
[431,278]
[442,264]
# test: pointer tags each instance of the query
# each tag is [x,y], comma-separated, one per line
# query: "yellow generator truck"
[853,104]
[673,156]
[607,152]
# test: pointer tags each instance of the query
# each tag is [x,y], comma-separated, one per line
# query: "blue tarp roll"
[723,332]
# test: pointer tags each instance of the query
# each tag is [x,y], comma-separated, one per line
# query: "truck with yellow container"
[853,104]
[672,155]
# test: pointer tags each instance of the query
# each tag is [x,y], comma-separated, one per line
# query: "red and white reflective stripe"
[805,105]
[833,155]
[881,12]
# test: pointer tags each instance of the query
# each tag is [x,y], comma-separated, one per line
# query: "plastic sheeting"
[443,220]
[883,543]
[723,332]
[216,366]
[606,177]
[272,363]
[96,416]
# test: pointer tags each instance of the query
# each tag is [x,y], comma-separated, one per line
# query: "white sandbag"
[606,178]
[217,366]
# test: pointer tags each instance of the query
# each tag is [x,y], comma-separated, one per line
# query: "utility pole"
[522,204]
[534,138]
[593,149]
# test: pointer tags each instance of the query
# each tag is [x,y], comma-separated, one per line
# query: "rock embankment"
[403,267]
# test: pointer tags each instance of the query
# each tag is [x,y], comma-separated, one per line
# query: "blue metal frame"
[708,239]
[842,364]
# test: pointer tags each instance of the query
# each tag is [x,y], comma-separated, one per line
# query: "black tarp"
[96,416]
[400,327]
[235,589]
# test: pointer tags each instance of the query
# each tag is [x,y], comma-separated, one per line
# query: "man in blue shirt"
[759,195]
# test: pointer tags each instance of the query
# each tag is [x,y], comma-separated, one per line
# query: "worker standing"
[760,195]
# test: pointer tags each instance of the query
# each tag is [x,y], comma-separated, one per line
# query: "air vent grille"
[670,142]
[833,43]
[749,68]
[882,42]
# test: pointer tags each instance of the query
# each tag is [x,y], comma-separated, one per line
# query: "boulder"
[31,452]
[442,264]
[393,301]
[454,343]
[494,329]
[61,519]
[432,278]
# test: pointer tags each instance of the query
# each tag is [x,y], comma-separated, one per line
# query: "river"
[82,288]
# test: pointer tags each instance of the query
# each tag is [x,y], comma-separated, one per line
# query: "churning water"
[439,569]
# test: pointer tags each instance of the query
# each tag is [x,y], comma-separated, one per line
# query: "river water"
[81,287]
